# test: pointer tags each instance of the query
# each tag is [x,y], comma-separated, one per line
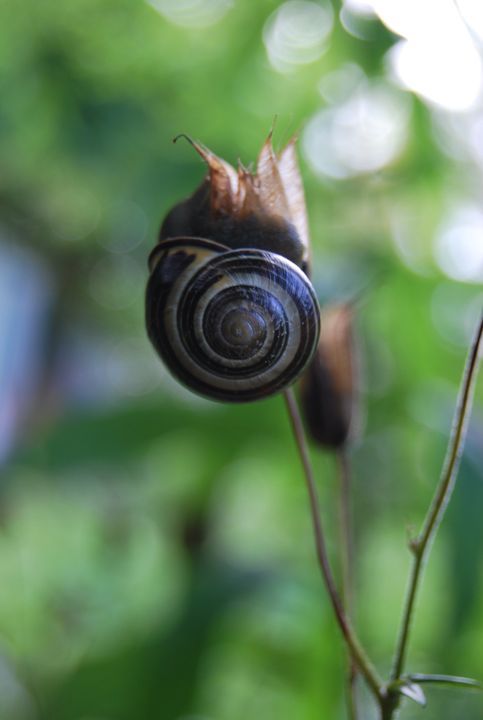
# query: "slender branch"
[347,562]
[401,648]
[422,544]
[355,648]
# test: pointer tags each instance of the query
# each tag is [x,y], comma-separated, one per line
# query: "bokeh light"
[192,13]
[361,7]
[448,72]
[361,134]
[455,309]
[297,33]
[459,245]
[437,57]
[472,13]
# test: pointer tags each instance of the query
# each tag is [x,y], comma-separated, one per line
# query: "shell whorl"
[232,325]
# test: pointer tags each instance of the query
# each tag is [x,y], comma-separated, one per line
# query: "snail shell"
[230,324]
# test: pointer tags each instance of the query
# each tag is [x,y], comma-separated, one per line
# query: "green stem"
[355,648]
[422,544]
[347,562]
[388,707]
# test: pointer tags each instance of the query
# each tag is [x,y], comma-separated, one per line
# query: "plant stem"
[422,544]
[347,562]
[356,650]
[388,707]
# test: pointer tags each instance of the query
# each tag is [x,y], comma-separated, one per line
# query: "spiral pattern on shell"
[232,325]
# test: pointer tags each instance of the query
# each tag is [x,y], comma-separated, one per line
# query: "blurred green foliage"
[156,556]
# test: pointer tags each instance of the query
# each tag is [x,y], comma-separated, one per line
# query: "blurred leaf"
[410,690]
[156,677]
[446,680]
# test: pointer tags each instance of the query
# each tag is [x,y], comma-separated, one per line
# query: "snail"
[230,308]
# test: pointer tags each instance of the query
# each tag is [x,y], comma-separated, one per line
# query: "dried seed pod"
[229,306]
[263,210]
[327,390]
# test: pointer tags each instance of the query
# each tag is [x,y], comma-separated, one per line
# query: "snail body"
[229,305]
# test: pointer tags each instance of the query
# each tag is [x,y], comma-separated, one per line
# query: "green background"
[156,556]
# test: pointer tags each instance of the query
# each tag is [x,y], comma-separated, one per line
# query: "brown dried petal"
[269,183]
[223,180]
[294,192]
